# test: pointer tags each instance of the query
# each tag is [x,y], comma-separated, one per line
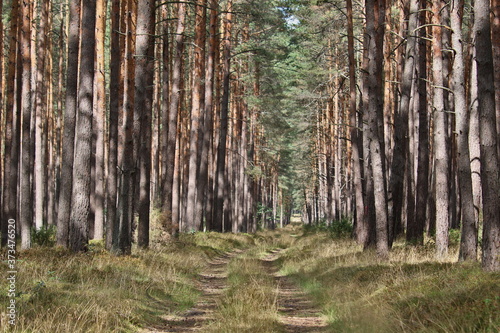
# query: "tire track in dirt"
[211,282]
[297,312]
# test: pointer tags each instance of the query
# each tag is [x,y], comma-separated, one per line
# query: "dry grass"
[410,293]
[59,291]
[249,304]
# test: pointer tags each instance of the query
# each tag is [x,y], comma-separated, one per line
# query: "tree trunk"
[25,207]
[197,104]
[143,106]
[468,242]
[422,185]
[401,139]
[441,157]
[168,186]
[116,96]
[495,39]
[40,116]
[220,178]
[80,202]
[64,206]
[375,136]
[208,122]
[99,118]
[488,133]
[12,117]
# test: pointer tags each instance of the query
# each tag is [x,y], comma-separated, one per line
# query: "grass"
[58,291]
[410,293]
[249,304]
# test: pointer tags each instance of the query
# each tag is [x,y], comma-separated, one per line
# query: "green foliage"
[46,236]
[342,228]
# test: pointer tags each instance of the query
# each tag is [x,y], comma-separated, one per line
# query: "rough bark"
[401,151]
[99,119]
[220,179]
[64,205]
[80,199]
[26,200]
[375,136]
[11,157]
[40,116]
[422,185]
[441,158]
[168,186]
[143,107]
[197,104]
[116,95]
[488,133]
[468,242]
[208,122]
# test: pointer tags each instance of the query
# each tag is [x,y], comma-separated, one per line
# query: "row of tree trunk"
[410,146]
[138,108]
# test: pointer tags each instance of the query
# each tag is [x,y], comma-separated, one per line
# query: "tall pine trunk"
[143,107]
[441,158]
[197,105]
[40,116]
[401,154]
[68,149]
[116,96]
[99,119]
[80,199]
[25,207]
[488,133]
[175,96]
[422,185]
[468,242]
[203,190]
[220,195]
[11,154]
[375,135]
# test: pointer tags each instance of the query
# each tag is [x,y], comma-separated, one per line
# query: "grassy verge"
[58,291]
[249,304]
[410,293]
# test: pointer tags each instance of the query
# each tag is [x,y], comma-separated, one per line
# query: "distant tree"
[220,180]
[208,121]
[175,96]
[197,106]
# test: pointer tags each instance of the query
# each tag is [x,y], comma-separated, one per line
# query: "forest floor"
[295,311]
[288,280]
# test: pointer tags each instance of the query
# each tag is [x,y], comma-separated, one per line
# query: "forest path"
[296,311]
[212,283]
